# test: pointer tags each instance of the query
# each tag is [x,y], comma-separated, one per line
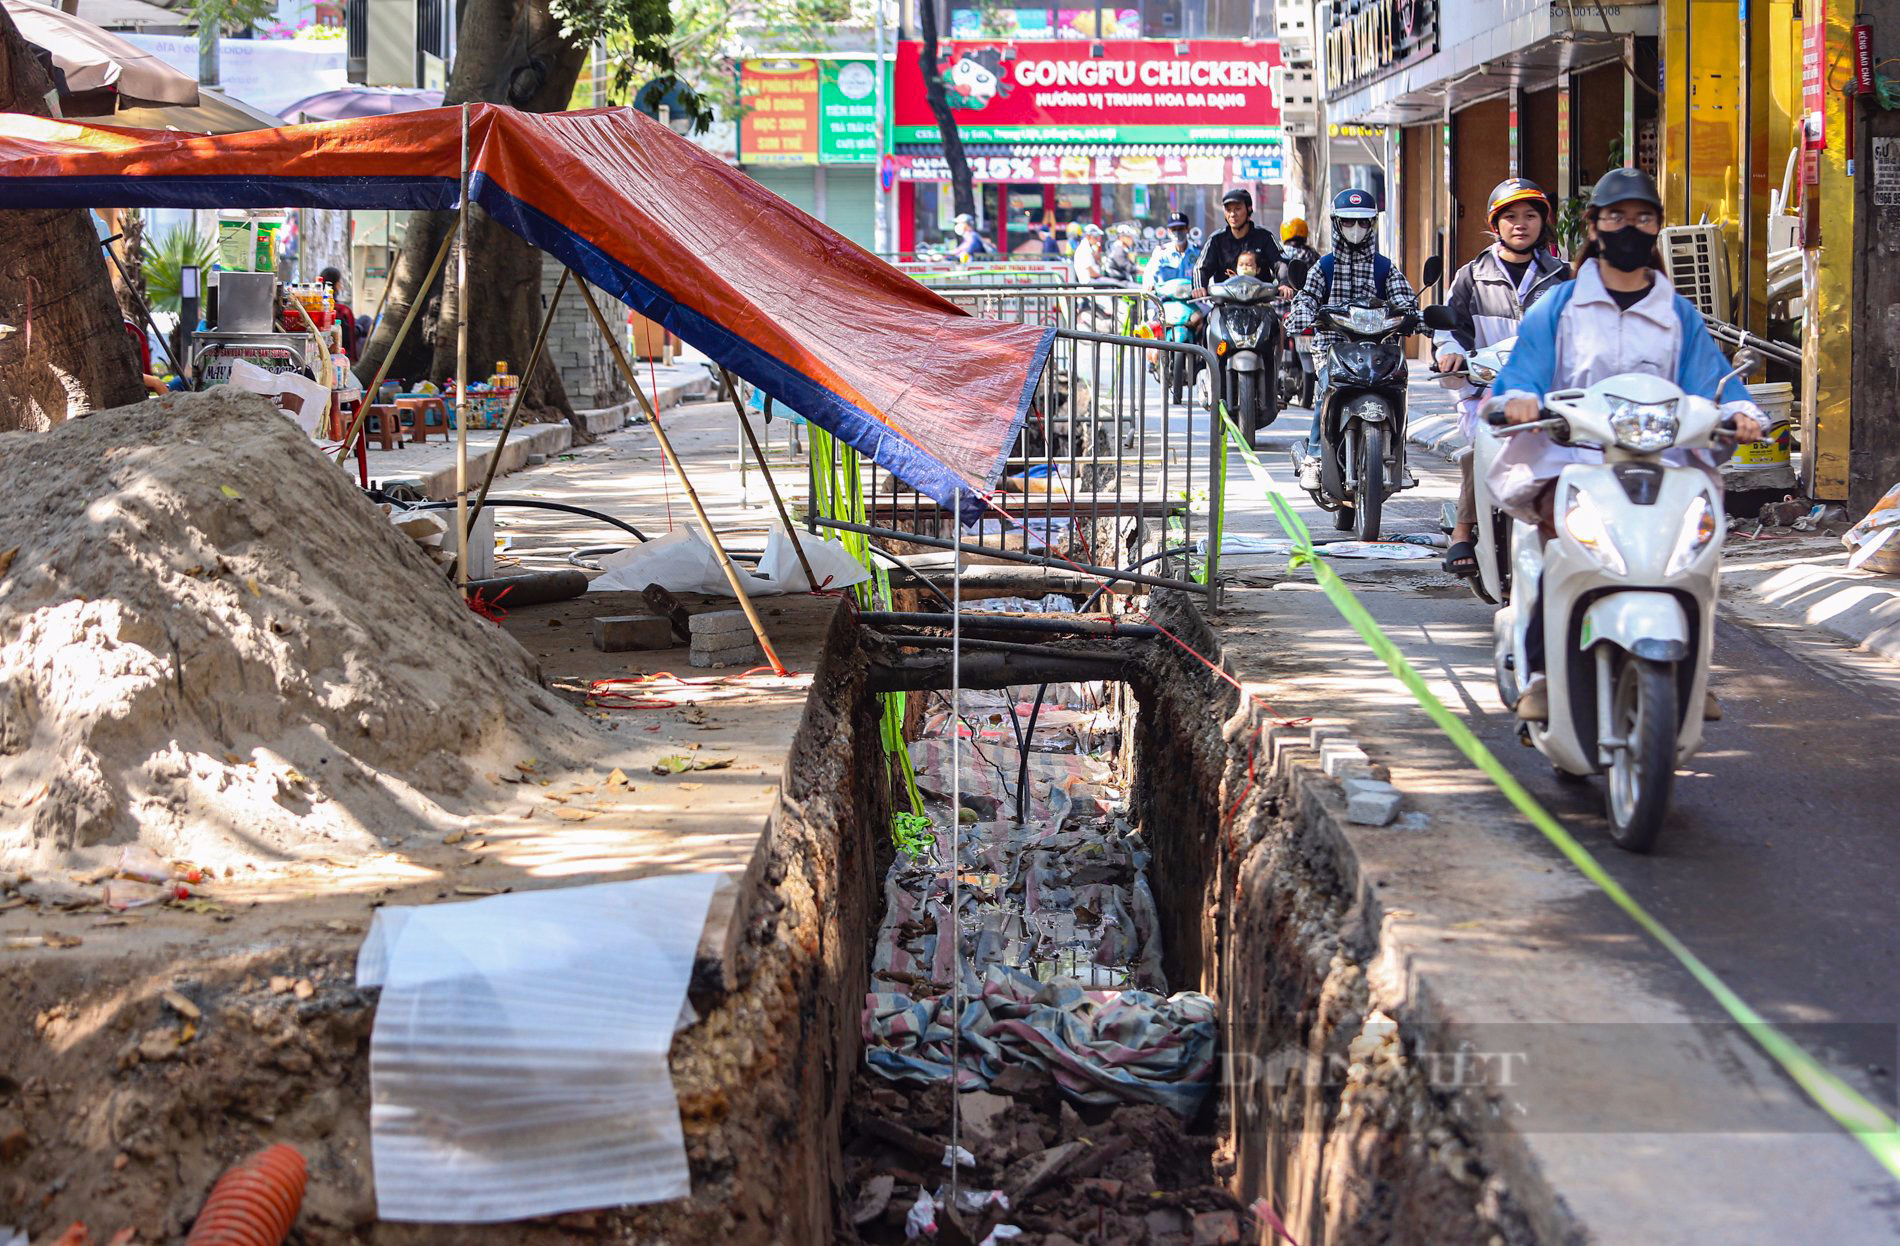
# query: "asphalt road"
[1780,862]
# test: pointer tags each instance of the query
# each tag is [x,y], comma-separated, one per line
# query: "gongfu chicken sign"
[1136,91]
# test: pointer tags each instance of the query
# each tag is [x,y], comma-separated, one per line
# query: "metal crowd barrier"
[1117,469]
[1066,305]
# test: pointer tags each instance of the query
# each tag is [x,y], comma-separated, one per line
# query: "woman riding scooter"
[1620,315]
[1489,296]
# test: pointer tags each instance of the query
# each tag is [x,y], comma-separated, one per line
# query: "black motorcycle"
[1361,415]
[1295,366]
[1245,332]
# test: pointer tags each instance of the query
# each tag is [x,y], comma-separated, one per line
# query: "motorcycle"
[1295,373]
[1245,332]
[1173,309]
[1492,543]
[1629,590]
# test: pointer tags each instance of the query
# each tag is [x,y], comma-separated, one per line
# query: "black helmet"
[1178,221]
[1516,190]
[1623,185]
[1237,195]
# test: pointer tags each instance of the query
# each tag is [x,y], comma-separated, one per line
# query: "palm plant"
[177,249]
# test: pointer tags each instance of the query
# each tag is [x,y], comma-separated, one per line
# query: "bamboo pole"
[461,372]
[402,334]
[692,495]
[745,426]
[514,408]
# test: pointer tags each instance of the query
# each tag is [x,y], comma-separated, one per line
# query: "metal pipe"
[1007,622]
[1108,573]
[461,372]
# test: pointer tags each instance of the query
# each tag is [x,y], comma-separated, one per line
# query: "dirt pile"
[211,643]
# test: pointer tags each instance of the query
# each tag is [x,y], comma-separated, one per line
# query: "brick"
[1217,1228]
[1371,803]
[617,633]
[716,622]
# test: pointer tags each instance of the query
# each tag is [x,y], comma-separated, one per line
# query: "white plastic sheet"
[518,1065]
[683,561]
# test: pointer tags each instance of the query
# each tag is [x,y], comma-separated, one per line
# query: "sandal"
[1461,560]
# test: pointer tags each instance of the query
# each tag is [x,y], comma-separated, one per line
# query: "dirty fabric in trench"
[1060,956]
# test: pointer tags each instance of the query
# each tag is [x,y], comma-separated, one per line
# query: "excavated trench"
[1307,1109]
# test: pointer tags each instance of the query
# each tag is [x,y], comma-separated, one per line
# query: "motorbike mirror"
[1434,269]
[1746,360]
[1439,317]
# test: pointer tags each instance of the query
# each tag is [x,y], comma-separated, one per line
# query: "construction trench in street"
[1200,1004]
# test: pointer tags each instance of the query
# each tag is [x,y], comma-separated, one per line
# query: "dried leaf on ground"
[467,890]
[618,778]
[454,837]
[566,814]
[6,558]
[180,1005]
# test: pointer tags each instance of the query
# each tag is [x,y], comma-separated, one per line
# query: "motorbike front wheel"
[1247,404]
[1637,786]
[1369,495]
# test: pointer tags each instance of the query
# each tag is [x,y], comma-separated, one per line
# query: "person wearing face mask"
[1619,315]
[1354,273]
[1173,259]
[1489,296]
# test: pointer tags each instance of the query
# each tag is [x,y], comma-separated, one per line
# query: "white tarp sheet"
[683,561]
[518,1065]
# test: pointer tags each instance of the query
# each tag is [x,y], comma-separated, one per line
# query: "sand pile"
[210,642]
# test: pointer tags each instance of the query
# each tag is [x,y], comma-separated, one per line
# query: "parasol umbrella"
[215,113]
[94,69]
[348,102]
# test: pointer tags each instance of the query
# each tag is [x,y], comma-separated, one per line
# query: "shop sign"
[847,112]
[778,111]
[1368,39]
[1135,91]
[1079,170]
[213,365]
[999,23]
[1814,75]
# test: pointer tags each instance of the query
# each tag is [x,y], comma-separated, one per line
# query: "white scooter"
[1492,546]
[1629,587]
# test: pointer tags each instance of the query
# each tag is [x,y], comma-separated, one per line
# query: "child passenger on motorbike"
[1489,296]
[1620,315]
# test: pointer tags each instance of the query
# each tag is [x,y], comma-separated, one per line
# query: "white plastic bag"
[518,1065]
[683,561]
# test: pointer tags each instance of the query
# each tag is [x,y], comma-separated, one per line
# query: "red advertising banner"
[779,121]
[1814,75]
[1136,91]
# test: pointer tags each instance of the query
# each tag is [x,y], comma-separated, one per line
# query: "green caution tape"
[1849,1108]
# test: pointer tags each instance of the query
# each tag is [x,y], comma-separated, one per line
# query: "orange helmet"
[1295,228]
[1516,190]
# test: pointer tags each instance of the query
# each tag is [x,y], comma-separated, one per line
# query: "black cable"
[533,504]
[1035,710]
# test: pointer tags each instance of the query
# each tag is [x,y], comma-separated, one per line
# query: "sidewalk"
[430,465]
[1801,578]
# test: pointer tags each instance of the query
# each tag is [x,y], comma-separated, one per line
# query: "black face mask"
[1627,249]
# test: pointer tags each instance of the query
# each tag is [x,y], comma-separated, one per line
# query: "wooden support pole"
[461,372]
[402,334]
[692,495]
[514,408]
[785,517]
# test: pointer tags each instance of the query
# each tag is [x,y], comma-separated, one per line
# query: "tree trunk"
[511,54]
[962,193]
[63,346]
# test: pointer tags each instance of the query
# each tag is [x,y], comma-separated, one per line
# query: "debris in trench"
[1080,1076]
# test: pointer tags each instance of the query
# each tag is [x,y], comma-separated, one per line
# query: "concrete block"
[740,655]
[1317,736]
[1371,803]
[719,623]
[737,646]
[1337,753]
[617,633]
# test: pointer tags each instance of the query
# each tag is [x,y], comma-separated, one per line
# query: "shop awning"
[933,394]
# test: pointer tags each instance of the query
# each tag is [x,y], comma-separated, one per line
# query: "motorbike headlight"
[1699,527]
[1583,520]
[1367,320]
[1644,427]
[1479,374]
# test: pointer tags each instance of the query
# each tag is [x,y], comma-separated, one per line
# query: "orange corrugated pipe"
[255,1202]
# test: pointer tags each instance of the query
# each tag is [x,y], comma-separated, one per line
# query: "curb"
[1858,607]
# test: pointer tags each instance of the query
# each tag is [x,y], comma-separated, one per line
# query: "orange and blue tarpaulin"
[934,395]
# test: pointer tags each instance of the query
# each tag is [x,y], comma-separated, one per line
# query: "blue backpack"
[1381,276]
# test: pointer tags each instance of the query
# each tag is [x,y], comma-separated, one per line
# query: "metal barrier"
[1117,467]
[1067,305]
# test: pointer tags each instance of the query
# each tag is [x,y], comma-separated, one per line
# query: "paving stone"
[731,655]
[616,633]
[1336,754]
[1371,806]
[719,622]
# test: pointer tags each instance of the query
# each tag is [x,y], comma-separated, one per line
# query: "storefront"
[808,133]
[1487,90]
[1059,132]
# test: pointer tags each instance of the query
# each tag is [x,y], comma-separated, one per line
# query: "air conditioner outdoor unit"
[1696,259]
